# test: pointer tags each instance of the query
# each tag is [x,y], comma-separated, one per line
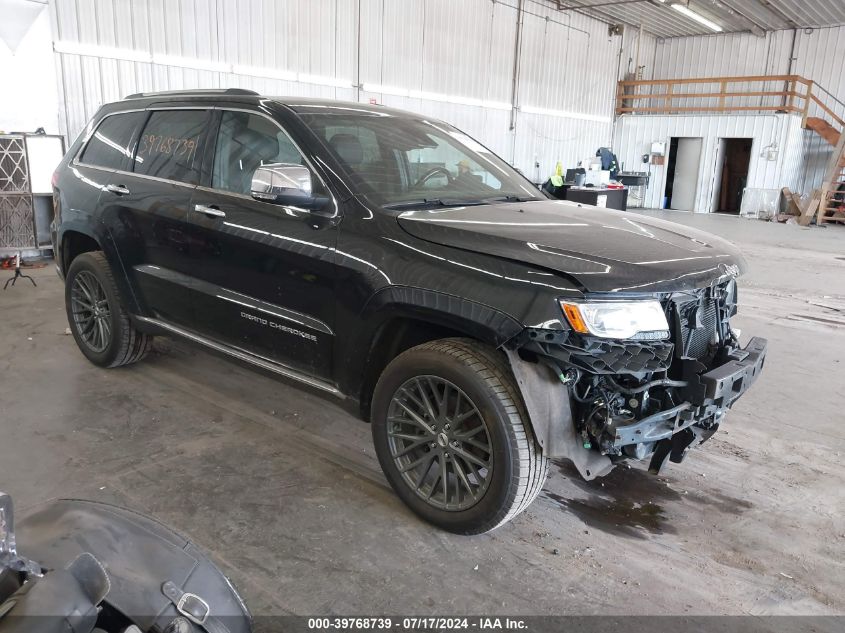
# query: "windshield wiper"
[432,202]
[510,198]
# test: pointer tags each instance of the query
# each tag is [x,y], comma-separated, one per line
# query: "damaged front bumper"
[671,432]
[712,393]
[603,402]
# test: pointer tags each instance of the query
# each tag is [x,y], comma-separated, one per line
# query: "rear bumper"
[706,398]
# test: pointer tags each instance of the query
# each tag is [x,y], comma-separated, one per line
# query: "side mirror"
[286,184]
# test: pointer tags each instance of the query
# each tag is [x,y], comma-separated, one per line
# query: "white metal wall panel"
[818,54]
[628,55]
[725,55]
[816,153]
[455,58]
[567,67]
[731,54]
[634,135]
[541,141]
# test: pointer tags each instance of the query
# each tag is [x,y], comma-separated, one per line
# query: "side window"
[244,143]
[110,145]
[169,145]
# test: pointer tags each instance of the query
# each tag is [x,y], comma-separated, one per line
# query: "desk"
[608,198]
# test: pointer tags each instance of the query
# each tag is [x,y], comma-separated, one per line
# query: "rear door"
[266,271]
[146,209]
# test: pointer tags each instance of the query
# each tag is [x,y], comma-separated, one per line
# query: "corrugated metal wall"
[816,54]
[634,135]
[452,60]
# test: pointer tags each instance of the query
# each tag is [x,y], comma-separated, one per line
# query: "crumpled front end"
[631,399]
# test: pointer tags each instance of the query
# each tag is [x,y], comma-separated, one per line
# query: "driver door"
[267,271]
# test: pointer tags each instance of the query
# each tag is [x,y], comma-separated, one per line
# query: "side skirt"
[239,354]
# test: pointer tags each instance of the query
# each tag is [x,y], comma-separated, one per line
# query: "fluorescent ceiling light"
[434,96]
[191,63]
[565,114]
[692,15]
[194,63]
[267,73]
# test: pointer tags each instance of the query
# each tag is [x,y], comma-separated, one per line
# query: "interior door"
[687,162]
[266,272]
[146,207]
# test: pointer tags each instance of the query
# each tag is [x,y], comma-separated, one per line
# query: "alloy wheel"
[91,312]
[440,443]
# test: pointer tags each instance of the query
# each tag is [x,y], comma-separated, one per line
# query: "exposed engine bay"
[659,395]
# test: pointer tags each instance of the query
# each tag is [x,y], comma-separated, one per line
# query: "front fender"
[452,313]
[475,319]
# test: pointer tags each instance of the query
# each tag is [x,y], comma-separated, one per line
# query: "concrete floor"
[284,490]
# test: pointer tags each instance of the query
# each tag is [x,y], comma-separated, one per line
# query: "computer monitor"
[570,173]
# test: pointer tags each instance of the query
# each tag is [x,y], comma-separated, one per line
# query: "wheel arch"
[76,239]
[399,318]
[74,242]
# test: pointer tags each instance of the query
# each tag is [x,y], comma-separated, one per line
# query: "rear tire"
[98,321]
[450,411]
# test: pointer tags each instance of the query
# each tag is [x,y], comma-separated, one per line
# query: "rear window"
[110,145]
[169,145]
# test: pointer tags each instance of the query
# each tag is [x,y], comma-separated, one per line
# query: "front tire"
[98,321]
[452,436]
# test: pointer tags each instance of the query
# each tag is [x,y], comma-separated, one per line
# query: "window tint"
[169,145]
[109,146]
[245,142]
[396,160]
[357,147]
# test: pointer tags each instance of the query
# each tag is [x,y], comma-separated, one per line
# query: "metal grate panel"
[17,226]
[14,175]
[16,221]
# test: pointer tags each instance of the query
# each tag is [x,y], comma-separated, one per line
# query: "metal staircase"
[780,94]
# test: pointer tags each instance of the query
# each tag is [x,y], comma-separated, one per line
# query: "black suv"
[392,262]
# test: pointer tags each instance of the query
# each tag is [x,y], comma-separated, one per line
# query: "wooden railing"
[722,95]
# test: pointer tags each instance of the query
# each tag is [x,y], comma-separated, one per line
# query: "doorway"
[731,174]
[682,172]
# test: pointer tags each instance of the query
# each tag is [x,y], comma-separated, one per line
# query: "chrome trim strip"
[245,356]
[239,298]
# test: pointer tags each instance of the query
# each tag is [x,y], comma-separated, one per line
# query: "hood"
[599,249]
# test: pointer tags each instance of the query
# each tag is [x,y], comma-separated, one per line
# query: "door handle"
[209,211]
[118,190]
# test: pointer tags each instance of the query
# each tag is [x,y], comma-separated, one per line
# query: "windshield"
[402,162]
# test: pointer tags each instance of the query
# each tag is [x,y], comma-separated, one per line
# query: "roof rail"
[198,91]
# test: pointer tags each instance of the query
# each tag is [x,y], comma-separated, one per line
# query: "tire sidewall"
[87,262]
[501,489]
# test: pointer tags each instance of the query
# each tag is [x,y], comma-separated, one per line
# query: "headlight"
[643,320]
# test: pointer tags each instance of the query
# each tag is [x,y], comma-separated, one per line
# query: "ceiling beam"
[588,10]
[770,7]
[754,27]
